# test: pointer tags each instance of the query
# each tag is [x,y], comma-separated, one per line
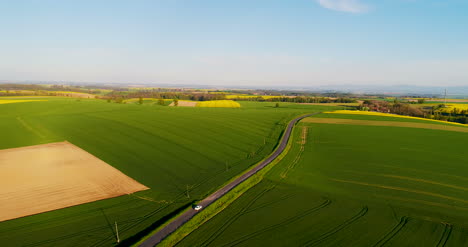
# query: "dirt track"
[185,103]
[180,220]
[47,177]
[387,123]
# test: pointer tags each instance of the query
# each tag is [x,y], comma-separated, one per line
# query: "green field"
[351,185]
[386,118]
[169,149]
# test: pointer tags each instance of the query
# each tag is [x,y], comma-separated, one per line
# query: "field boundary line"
[434,204]
[402,189]
[424,171]
[29,127]
[420,180]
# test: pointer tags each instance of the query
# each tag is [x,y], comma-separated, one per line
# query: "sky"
[236,42]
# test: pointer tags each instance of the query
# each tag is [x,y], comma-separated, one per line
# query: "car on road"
[198,207]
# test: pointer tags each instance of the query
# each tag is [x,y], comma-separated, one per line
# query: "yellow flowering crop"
[3,101]
[450,107]
[218,103]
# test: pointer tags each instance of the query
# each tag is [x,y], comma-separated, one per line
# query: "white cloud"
[352,6]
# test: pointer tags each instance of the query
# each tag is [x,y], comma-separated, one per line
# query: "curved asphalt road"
[179,221]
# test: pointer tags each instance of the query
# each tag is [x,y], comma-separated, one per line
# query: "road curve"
[180,220]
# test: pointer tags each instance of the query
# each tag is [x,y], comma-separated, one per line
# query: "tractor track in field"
[283,223]
[298,157]
[183,218]
[394,231]
[235,217]
[183,194]
[269,203]
[445,235]
[338,228]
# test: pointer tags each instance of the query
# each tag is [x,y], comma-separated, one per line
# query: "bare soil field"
[74,94]
[386,123]
[47,177]
[185,103]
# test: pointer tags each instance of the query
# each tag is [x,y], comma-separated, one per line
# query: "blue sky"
[242,42]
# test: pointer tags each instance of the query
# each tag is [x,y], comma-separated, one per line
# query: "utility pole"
[188,195]
[117,232]
[445,97]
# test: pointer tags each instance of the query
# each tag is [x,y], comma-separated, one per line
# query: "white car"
[198,207]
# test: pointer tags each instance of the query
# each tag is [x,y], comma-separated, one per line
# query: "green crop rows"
[350,185]
[182,154]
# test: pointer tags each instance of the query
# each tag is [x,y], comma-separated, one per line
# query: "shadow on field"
[108,222]
[137,237]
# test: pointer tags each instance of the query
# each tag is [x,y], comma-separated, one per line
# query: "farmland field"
[459,107]
[11,101]
[181,154]
[387,116]
[51,176]
[354,185]
[241,96]
[210,103]
[218,103]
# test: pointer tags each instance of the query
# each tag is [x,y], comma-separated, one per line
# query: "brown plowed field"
[47,177]
[185,103]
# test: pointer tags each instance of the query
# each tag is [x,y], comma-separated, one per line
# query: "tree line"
[408,109]
[114,95]
[297,99]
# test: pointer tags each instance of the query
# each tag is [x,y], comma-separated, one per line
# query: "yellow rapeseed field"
[16,91]
[388,115]
[218,103]
[245,96]
[5,101]
[450,107]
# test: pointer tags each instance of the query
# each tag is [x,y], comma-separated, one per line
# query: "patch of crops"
[219,103]
[390,116]
[383,117]
[244,96]
[11,101]
[182,154]
[352,185]
[451,106]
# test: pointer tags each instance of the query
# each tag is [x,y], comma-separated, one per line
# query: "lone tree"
[276,105]
[176,102]
[119,100]
[160,102]
[140,101]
